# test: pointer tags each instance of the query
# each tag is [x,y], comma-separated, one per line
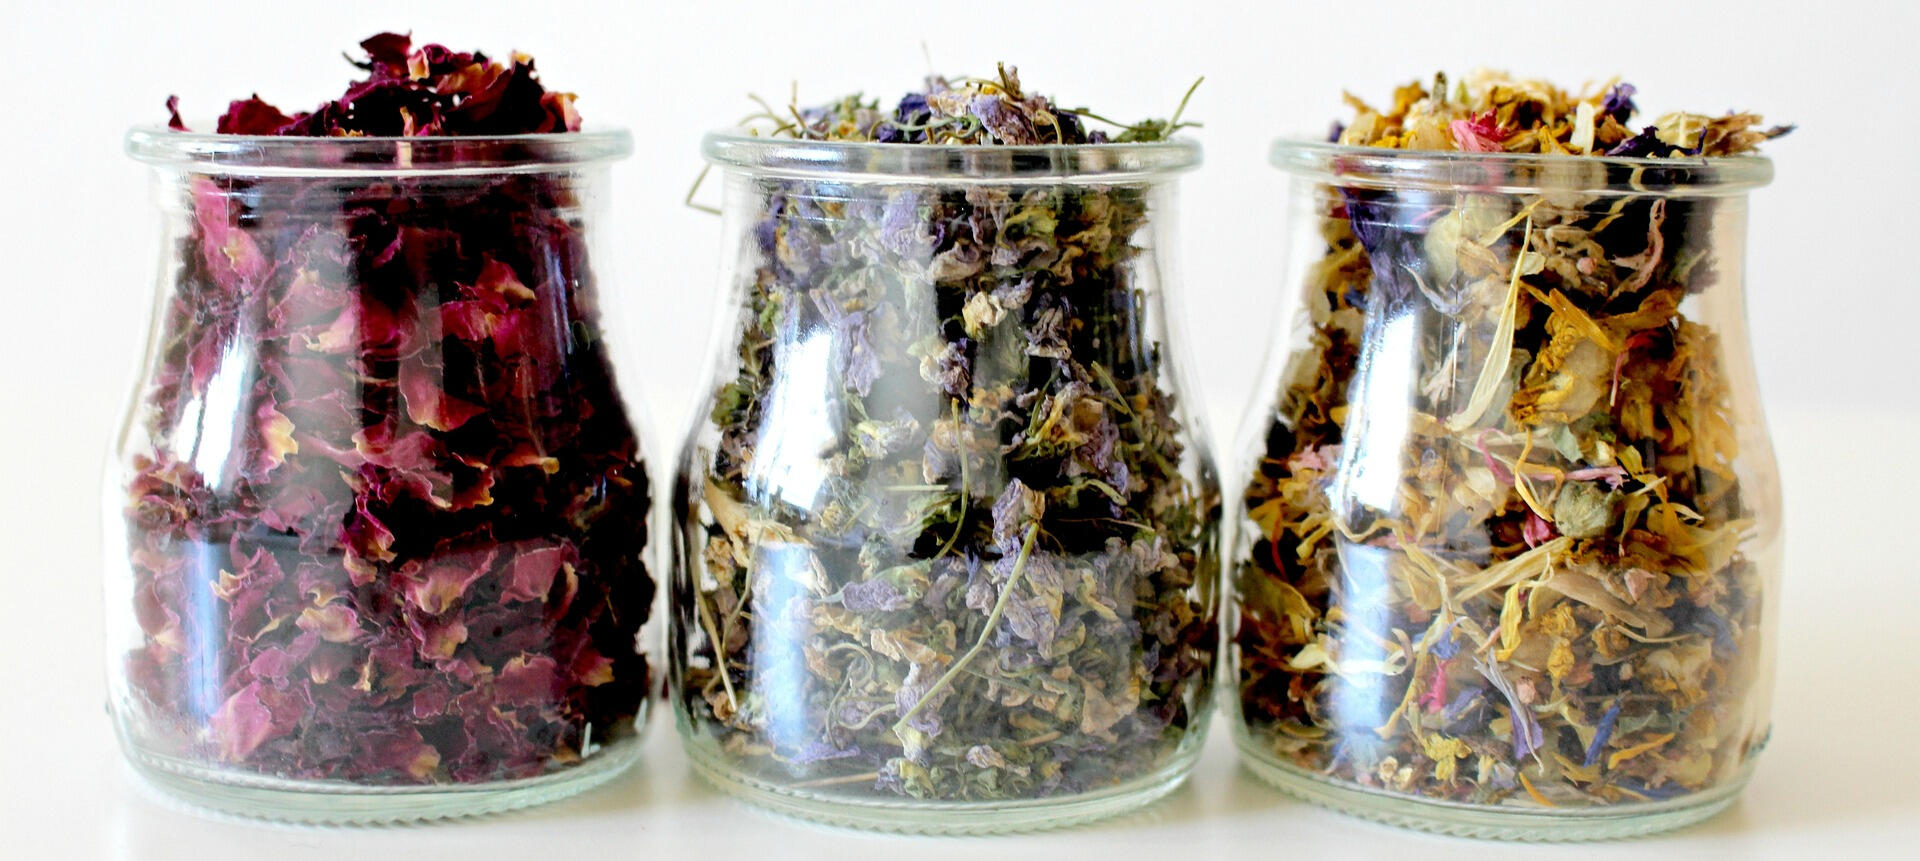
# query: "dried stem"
[993,621]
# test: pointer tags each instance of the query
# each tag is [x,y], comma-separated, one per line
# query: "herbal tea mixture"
[418,560]
[1541,596]
[973,558]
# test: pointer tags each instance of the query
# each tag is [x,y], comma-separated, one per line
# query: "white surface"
[1834,301]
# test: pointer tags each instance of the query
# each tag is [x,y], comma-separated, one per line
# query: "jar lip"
[265,155]
[1518,173]
[849,161]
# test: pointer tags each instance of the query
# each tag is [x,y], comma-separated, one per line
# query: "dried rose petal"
[422,561]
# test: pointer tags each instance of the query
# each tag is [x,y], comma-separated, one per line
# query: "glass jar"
[947,533]
[377,514]
[1506,559]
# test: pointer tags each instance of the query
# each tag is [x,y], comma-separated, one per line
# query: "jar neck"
[256,156]
[1520,173]
[844,161]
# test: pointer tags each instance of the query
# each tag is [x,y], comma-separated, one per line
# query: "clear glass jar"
[947,534]
[377,514]
[1507,553]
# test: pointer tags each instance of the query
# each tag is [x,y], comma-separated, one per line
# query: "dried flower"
[422,562]
[997,592]
[1567,515]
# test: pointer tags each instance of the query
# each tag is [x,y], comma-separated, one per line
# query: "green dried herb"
[1547,598]
[978,566]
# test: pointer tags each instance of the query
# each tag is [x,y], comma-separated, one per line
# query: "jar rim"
[849,161]
[1518,173]
[266,155]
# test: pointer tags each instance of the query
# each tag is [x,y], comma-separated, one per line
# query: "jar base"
[909,816]
[1488,822]
[335,803]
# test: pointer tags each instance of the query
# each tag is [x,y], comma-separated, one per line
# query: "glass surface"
[377,514]
[946,529]
[1506,555]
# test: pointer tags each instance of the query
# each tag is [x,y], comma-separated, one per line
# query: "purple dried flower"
[904,228]
[1002,118]
[1528,736]
[872,596]
[1602,733]
[1462,701]
[1618,102]
[950,369]
[1444,647]
[860,365]
[1646,144]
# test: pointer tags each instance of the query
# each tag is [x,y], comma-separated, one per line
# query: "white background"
[1833,295]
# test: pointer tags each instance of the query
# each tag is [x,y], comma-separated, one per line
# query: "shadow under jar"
[946,553]
[1506,559]
[377,514]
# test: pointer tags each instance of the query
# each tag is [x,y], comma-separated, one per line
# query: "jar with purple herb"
[378,513]
[945,556]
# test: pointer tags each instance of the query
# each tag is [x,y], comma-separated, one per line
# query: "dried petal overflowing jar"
[377,514]
[1506,556]
[946,539]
